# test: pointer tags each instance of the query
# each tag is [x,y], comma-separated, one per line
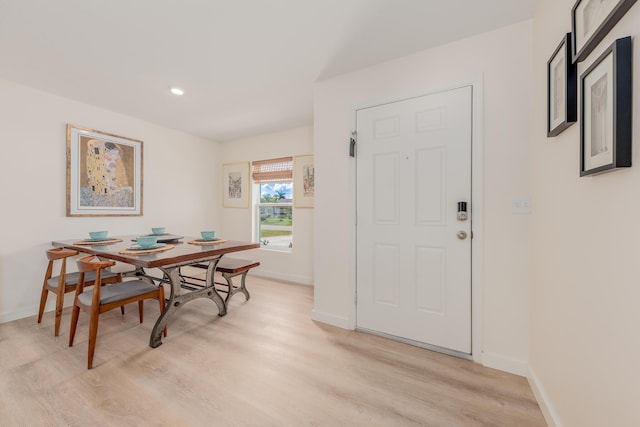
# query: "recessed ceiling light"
[177,91]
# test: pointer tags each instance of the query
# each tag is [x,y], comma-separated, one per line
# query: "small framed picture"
[562,88]
[591,20]
[235,185]
[104,173]
[303,181]
[605,111]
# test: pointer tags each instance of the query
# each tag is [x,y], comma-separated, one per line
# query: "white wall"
[297,265]
[584,346]
[181,188]
[503,59]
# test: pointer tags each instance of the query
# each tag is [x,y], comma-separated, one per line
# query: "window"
[274,208]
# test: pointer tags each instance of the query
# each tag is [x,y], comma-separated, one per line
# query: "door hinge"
[352,144]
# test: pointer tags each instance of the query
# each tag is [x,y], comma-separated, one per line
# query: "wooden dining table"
[180,254]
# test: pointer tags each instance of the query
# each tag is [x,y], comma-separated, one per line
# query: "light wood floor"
[264,364]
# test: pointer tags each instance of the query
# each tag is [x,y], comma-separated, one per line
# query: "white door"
[413,260]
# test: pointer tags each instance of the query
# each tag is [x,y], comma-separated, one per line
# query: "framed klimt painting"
[605,131]
[235,185]
[104,174]
[304,185]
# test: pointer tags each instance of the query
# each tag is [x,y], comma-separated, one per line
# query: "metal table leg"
[178,297]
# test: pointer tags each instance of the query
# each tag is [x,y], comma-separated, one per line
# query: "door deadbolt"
[462,211]
[461,235]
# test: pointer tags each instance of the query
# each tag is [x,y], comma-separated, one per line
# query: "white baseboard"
[506,364]
[550,415]
[302,280]
[331,319]
[20,314]
[33,309]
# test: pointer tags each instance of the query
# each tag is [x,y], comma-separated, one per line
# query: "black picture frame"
[605,110]
[589,26]
[562,89]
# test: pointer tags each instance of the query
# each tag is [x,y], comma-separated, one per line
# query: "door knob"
[461,235]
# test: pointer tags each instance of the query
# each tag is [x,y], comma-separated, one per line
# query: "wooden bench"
[229,268]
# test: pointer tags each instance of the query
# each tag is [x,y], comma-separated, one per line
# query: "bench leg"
[235,289]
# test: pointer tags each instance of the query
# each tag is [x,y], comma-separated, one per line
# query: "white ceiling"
[247,66]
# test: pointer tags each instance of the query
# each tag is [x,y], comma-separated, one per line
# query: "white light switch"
[521,205]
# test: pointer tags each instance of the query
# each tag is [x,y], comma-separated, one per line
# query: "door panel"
[386,278]
[413,167]
[386,188]
[430,182]
[432,263]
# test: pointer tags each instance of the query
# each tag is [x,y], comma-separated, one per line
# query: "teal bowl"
[158,230]
[98,235]
[147,241]
[208,235]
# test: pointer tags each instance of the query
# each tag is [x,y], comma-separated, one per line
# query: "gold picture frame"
[104,173]
[303,181]
[236,191]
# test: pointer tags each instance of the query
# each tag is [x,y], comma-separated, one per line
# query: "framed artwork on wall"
[562,88]
[104,174]
[591,20]
[605,111]
[235,185]
[303,181]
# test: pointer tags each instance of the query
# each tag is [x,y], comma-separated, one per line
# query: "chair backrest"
[58,253]
[93,263]
[55,254]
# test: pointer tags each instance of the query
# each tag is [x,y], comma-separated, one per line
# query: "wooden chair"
[101,299]
[64,283]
